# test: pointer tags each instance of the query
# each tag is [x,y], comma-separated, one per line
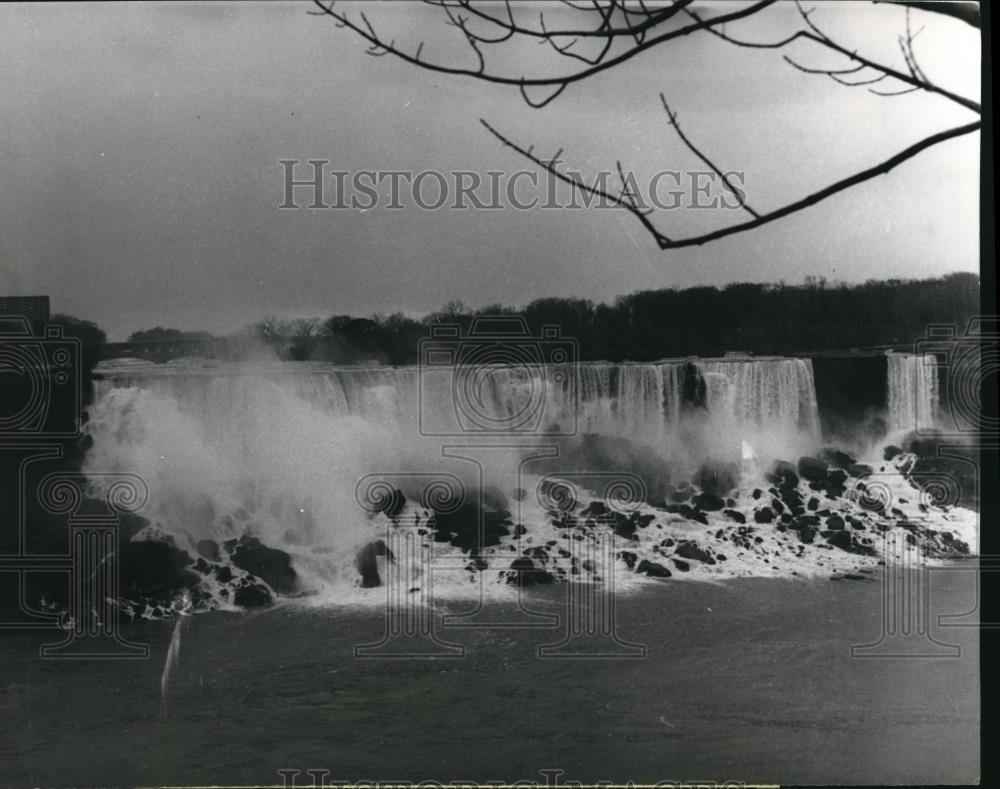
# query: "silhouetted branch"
[640,26]
[665,242]
[740,197]
[366,31]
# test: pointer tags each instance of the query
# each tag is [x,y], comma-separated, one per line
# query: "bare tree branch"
[364,30]
[959,9]
[816,35]
[740,197]
[665,242]
[640,26]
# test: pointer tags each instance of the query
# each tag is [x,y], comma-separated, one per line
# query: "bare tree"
[611,32]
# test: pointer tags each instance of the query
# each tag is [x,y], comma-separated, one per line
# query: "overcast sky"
[139,149]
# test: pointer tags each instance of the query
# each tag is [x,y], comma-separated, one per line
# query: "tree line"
[704,321]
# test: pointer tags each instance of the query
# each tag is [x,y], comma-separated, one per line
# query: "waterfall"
[277,450]
[770,403]
[912,391]
[769,400]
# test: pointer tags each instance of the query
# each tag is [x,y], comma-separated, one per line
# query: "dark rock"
[596,509]
[836,458]
[840,539]
[460,526]
[787,478]
[392,505]
[252,596]
[154,570]
[681,565]
[272,566]
[694,392]
[717,478]
[812,469]
[210,550]
[845,542]
[836,477]
[366,563]
[858,470]
[961,464]
[835,522]
[653,569]
[642,521]
[708,501]
[629,558]
[891,451]
[764,515]
[688,512]
[739,517]
[689,550]
[524,572]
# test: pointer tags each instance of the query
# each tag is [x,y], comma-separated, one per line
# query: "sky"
[140,148]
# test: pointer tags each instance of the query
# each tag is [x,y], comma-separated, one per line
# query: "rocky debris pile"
[158,579]
[810,512]
[823,513]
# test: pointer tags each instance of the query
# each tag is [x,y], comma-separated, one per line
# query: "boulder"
[154,570]
[812,469]
[210,550]
[272,566]
[694,392]
[460,526]
[859,470]
[366,563]
[891,451]
[252,595]
[845,542]
[708,501]
[688,550]
[524,572]
[785,470]
[717,478]
[764,515]
[836,477]
[836,458]
[653,569]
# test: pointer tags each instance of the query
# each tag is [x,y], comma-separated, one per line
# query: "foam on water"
[276,451]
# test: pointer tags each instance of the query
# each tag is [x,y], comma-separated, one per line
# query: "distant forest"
[703,321]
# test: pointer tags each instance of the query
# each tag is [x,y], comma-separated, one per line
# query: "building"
[34,308]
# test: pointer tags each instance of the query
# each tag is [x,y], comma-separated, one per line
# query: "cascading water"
[276,451]
[912,391]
